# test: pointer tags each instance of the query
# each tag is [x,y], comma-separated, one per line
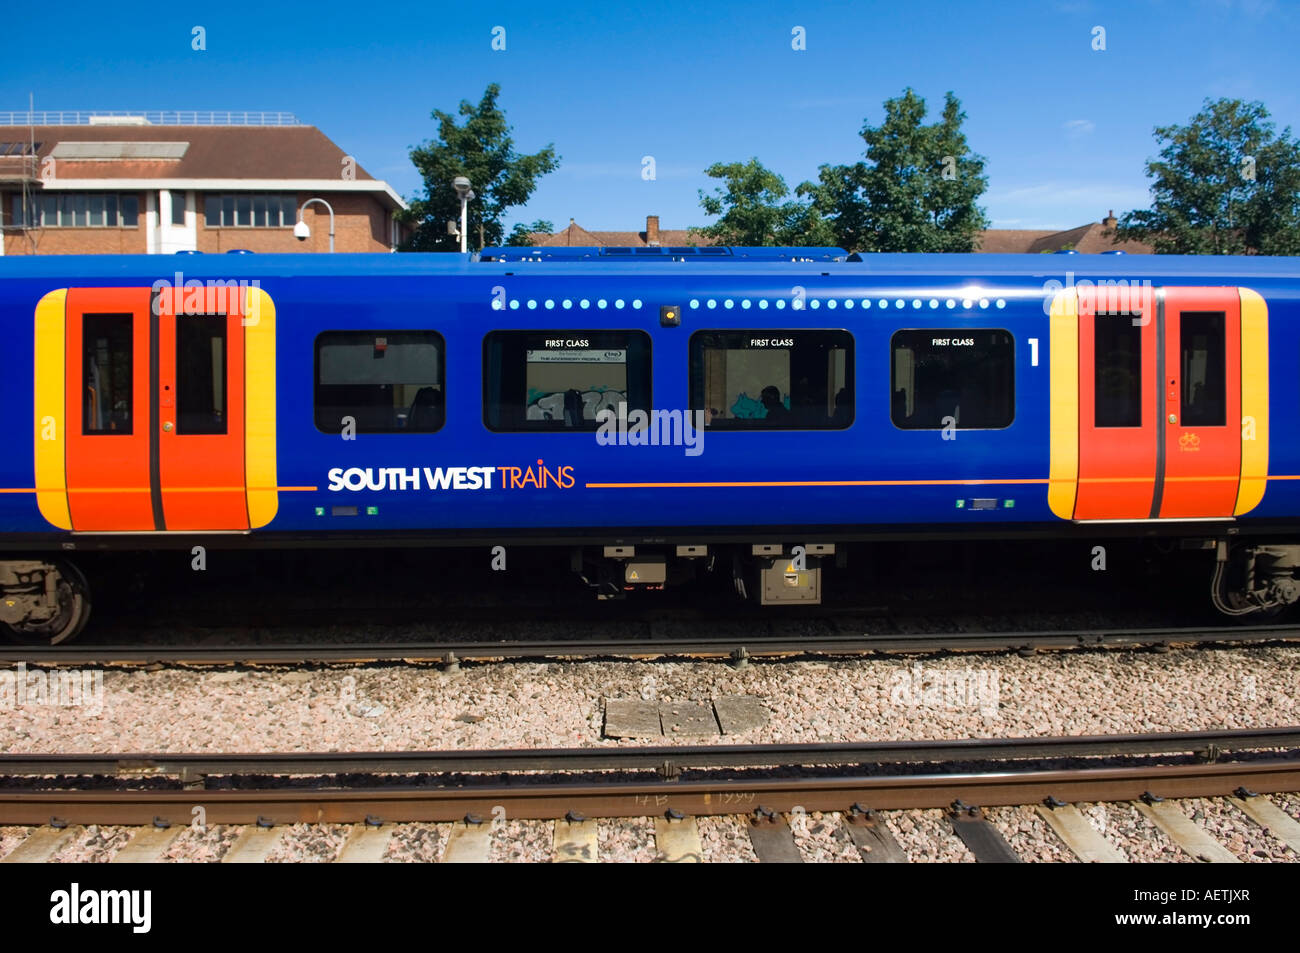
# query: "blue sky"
[1065,129]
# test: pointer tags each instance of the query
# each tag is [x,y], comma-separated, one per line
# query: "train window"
[561,380]
[201,373]
[958,377]
[792,379]
[106,341]
[1117,368]
[1204,366]
[385,381]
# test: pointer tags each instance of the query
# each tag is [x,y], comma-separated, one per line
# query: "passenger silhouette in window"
[573,415]
[803,405]
[426,410]
[777,414]
[843,408]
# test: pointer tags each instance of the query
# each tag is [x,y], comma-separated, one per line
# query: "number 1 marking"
[1033,352]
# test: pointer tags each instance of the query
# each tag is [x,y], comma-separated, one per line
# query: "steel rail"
[552,800]
[759,646]
[1206,744]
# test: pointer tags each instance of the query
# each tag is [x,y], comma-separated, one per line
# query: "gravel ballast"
[543,705]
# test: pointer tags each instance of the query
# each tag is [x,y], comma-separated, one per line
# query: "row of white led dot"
[567,303]
[746,303]
[833,303]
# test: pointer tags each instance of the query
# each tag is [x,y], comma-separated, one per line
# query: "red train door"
[155,406]
[1118,426]
[109,420]
[1163,405]
[201,416]
[1202,401]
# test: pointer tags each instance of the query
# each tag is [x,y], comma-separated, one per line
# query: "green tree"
[916,191]
[754,209]
[522,234]
[483,151]
[1225,184]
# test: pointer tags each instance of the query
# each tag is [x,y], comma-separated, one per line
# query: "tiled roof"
[1088,239]
[211,152]
[575,234]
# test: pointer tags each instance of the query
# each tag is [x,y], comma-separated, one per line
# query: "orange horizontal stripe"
[607,486]
[1147,479]
[813,483]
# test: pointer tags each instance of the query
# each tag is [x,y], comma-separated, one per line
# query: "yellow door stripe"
[259,409]
[51,477]
[1254,401]
[1064,371]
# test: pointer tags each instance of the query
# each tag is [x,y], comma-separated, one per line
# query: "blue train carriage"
[644,408]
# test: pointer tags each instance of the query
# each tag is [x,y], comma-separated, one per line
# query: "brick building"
[1087,239]
[575,234]
[1091,238]
[159,183]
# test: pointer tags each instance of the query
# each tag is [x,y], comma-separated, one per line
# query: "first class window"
[561,380]
[106,342]
[1204,368]
[960,377]
[1117,369]
[793,379]
[386,381]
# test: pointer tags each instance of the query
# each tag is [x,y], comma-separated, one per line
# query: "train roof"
[750,262]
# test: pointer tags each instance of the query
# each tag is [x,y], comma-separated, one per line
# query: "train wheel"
[67,623]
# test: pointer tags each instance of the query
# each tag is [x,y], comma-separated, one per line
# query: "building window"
[250,210]
[386,381]
[178,208]
[792,379]
[77,210]
[959,377]
[561,380]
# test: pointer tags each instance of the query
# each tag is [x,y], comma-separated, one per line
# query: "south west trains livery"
[644,408]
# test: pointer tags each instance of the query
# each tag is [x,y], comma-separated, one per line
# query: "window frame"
[438,338]
[646,381]
[226,205]
[1134,400]
[1195,418]
[1011,338]
[128,319]
[60,209]
[695,376]
[185,326]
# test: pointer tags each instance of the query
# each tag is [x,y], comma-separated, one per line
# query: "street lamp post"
[302,232]
[464,190]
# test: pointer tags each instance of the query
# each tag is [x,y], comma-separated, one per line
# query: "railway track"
[770,836]
[767,791]
[623,782]
[732,648]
